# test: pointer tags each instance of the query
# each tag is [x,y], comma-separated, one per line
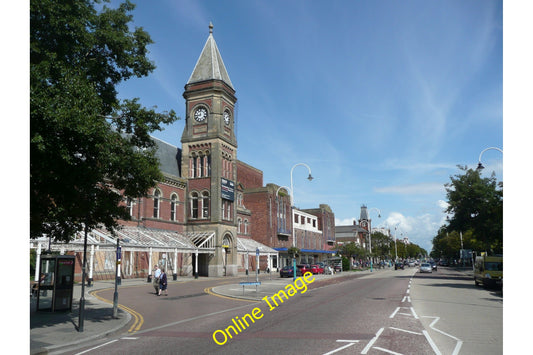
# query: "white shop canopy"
[141,239]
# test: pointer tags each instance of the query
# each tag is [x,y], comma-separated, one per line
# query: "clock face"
[200,114]
[226,117]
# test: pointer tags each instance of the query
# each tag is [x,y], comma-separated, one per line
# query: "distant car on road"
[287,271]
[433,265]
[443,263]
[426,267]
[411,263]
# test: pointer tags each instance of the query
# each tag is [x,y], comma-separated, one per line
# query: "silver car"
[425,267]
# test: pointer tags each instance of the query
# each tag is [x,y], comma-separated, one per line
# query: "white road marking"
[414,313]
[96,347]
[405,330]
[386,350]
[459,341]
[351,342]
[430,341]
[372,341]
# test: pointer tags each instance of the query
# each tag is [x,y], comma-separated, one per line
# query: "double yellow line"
[138,318]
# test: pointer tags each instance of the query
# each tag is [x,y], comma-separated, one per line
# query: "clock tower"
[209,155]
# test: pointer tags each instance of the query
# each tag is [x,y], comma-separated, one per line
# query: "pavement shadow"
[41,319]
[437,276]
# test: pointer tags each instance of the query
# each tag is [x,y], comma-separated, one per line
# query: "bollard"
[174,277]
[149,279]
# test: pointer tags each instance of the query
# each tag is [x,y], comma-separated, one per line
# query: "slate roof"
[210,65]
[169,157]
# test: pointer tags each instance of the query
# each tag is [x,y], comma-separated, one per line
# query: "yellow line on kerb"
[139,320]
[208,291]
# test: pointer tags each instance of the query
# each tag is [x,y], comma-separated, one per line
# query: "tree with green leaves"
[87,148]
[381,245]
[475,204]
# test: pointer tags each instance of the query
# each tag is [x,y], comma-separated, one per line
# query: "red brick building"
[211,212]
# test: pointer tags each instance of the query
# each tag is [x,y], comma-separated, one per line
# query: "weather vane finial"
[210,27]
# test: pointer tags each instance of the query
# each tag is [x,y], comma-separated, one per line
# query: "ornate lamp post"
[479,165]
[310,178]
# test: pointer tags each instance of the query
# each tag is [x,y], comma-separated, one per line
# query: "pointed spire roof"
[210,65]
[364,213]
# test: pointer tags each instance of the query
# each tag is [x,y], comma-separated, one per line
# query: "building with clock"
[210,214]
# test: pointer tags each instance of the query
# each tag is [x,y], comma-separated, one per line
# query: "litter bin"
[56,283]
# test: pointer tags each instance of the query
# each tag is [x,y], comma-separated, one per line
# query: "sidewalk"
[51,332]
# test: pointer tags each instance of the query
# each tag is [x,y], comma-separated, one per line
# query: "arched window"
[246,224]
[173,207]
[194,205]
[192,166]
[205,204]
[201,166]
[129,205]
[157,202]
[239,225]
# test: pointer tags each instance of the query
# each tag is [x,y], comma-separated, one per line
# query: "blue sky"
[382,99]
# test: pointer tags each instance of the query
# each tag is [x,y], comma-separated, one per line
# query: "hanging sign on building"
[228,189]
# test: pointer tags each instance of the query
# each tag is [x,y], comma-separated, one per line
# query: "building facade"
[211,214]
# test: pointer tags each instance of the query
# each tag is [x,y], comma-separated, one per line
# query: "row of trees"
[475,206]
[383,247]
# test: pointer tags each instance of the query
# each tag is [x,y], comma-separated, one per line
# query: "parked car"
[425,267]
[443,263]
[287,271]
[304,268]
[411,263]
[433,265]
[317,269]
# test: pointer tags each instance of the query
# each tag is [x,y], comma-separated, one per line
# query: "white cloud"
[442,204]
[344,222]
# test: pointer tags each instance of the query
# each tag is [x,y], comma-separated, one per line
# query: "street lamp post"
[81,314]
[370,234]
[395,246]
[310,178]
[479,165]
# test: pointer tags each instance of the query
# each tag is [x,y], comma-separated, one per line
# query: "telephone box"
[56,283]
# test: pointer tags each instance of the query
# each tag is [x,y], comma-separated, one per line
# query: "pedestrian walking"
[163,283]
[157,276]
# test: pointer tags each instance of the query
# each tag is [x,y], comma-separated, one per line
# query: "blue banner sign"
[228,189]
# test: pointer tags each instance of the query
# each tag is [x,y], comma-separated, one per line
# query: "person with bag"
[157,276]
[163,283]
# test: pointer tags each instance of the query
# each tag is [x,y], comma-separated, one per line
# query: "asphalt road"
[468,319]
[387,311]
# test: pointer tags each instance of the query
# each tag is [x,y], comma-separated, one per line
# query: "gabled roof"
[169,157]
[210,65]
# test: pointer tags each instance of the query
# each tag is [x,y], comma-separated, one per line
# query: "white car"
[425,267]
